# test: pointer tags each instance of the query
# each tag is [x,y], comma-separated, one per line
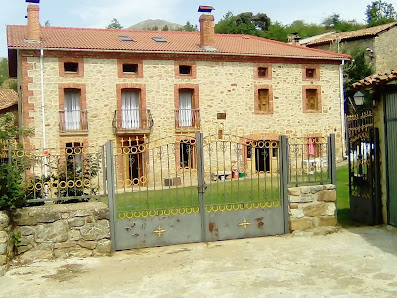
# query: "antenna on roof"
[205,8]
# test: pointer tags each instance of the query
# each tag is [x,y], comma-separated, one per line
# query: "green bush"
[12,192]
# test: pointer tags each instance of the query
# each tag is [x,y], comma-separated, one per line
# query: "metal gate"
[364,171]
[186,188]
[391,152]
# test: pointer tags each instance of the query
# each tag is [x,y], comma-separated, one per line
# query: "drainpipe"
[43,108]
[342,109]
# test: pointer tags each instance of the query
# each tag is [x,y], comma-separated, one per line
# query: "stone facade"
[6,243]
[312,207]
[384,47]
[60,231]
[223,87]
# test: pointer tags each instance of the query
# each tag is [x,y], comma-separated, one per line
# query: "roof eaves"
[336,57]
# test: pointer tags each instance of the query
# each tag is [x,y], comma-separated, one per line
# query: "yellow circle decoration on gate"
[145,213]
[132,215]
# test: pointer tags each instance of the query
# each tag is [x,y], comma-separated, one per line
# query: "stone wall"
[312,207]
[6,243]
[63,230]
[386,51]
[223,87]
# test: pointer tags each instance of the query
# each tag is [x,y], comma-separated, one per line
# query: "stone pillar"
[6,244]
[33,23]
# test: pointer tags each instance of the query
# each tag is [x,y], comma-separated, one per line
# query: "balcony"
[132,121]
[187,120]
[73,121]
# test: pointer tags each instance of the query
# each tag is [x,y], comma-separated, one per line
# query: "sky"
[99,13]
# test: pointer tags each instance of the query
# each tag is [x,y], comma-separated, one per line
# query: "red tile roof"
[342,36]
[375,80]
[177,41]
[8,98]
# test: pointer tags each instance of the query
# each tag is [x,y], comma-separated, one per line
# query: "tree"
[356,69]
[165,28]
[3,70]
[243,23]
[380,12]
[189,27]
[114,24]
[277,31]
[332,21]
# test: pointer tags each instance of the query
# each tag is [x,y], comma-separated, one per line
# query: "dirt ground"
[350,263]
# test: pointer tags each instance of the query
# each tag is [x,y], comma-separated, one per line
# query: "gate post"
[201,183]
[111,194]
[283,141]
[332,158]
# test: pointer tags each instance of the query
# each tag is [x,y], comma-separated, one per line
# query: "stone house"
[379,41]
[384,94]
[82,87]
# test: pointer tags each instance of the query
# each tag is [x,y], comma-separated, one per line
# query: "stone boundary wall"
[6,243]
[312,207]
[54,231]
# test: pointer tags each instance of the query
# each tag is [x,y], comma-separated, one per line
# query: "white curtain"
[72,109]
[185,108]
[130,108]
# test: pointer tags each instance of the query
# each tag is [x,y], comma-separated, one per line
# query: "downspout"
[342,110]
[43,108]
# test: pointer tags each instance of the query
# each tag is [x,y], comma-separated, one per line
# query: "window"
[310,72]
[186,153]
[130,109]
[130,68]
[263,100]
[126,38]
[186,107]
[71,67]
[185,69]
[311,100]
[159,39]
[72,111]
[262,72]
[74,152]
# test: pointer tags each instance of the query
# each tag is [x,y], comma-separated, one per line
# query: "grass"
[342,195]
[221,192]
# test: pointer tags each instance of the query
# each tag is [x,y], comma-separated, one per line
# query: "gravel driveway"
[350,263]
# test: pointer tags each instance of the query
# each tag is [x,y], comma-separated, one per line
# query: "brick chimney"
[207,33]
[33,23]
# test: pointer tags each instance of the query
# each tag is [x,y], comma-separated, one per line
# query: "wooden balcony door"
[72,109]
[185,107]
[130,110]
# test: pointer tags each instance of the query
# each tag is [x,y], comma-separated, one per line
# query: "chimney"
[33,23]
[207,41]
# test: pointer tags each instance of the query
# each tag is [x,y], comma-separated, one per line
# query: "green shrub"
[12,192]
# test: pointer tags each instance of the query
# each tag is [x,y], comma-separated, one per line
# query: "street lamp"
[358,98]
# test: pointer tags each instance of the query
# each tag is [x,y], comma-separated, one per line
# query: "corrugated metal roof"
[177,41]
[341,36]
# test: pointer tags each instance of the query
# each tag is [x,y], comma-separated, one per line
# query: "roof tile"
[8,98]
[177,41]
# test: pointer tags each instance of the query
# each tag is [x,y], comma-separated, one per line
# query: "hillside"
[148,24]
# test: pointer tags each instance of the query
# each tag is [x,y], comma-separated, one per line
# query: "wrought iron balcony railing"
[187,119]
[132,120]
[73,121]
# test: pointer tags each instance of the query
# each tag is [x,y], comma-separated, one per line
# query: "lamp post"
[358,98]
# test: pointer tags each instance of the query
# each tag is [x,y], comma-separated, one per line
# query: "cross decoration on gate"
[245,223]
[159,231]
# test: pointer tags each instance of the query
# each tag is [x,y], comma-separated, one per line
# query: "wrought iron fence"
[187,119]
[72,174]
[311,160]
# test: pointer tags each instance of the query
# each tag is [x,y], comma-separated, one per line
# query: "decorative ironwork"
[73,121]
[159,231]
[244,224]
[132,120]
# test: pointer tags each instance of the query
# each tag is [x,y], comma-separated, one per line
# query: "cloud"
[100,13]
